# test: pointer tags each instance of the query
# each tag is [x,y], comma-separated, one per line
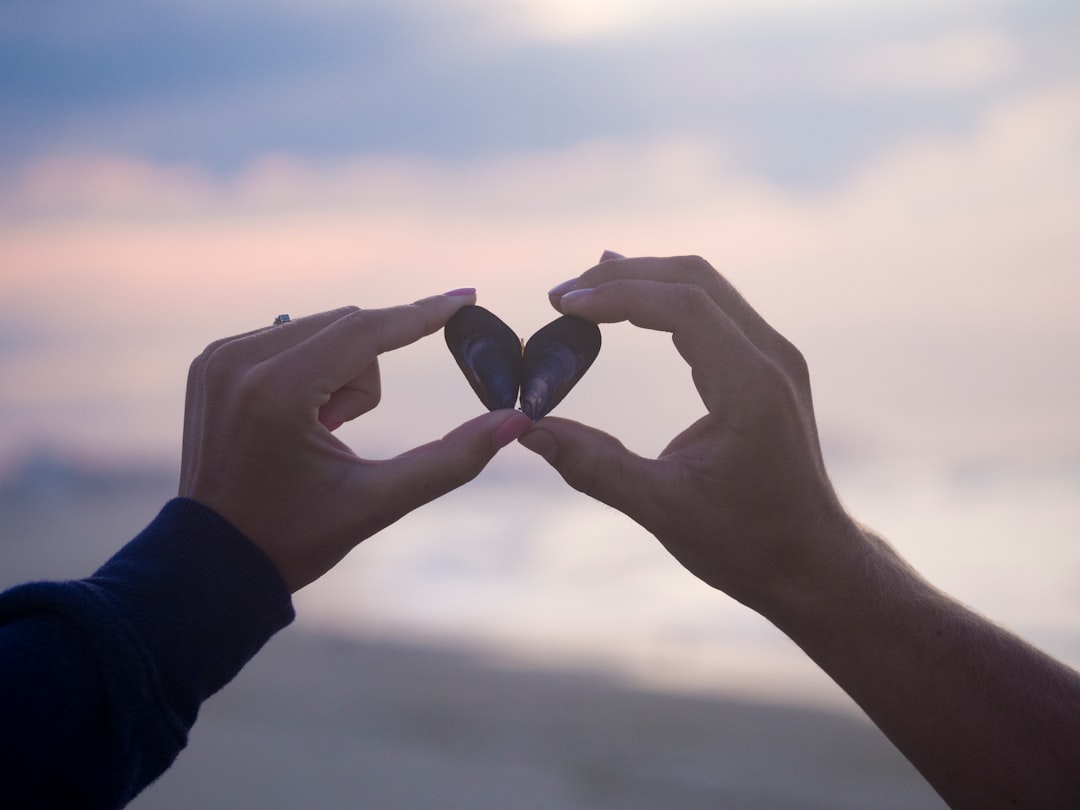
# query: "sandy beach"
[320,722]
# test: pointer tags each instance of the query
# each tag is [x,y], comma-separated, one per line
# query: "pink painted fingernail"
[460,291]
[511,429]
[561,289]
[575,295]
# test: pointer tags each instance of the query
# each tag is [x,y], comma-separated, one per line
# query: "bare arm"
[986,718]
[742,499]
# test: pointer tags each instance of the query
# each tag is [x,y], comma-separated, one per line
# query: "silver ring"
[280,319]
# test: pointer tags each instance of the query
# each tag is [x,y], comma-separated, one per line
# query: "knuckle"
[690,300]
[696,269]
[692,262]
[792,360]
[348,312]
[780,395]
[358,318]
[202,361]
[785,367]
[227,372]
[196,367]
[342,313]
[363,323]
[207,366]
[221,358]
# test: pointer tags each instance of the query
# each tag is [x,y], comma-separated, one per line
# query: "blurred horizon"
[517,570]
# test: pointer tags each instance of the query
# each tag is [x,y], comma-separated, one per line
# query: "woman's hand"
[258,444]
[740,497]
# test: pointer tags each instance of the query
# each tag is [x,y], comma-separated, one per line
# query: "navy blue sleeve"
[101,678]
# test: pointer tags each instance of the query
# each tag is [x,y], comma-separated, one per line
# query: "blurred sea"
[519,567]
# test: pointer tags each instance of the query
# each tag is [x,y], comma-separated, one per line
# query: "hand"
[258,444]
[740,497]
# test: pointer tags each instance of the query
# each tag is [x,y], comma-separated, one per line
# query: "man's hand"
[740,497]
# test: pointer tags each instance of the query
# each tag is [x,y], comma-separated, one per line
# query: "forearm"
[103,677]
[987,719]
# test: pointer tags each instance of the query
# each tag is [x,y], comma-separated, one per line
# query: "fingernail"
[575,295]
[511,429]
[610,255]
[540,442]
[560,289]
[460,291]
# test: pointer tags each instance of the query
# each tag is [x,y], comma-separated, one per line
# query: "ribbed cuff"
[198,597]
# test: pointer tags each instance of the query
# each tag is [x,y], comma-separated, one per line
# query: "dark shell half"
[555,359]
[490,355]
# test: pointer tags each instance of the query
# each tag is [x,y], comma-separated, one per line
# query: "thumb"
[422,474]
[592,462]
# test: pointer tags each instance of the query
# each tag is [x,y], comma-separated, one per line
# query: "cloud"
[933,291]
[947,64]
[570,20]
[872,180]
[222,85]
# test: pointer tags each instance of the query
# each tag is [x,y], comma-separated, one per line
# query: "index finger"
[718,352]
[338,353]
[680,270]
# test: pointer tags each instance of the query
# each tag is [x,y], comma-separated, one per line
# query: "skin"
[259,447]
[741,498]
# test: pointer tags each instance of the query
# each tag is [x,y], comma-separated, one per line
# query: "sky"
[894,185]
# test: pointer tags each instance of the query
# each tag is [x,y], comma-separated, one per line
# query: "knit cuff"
[198,597]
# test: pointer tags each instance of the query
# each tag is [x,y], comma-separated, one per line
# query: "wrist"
[826,568]
[851,598]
